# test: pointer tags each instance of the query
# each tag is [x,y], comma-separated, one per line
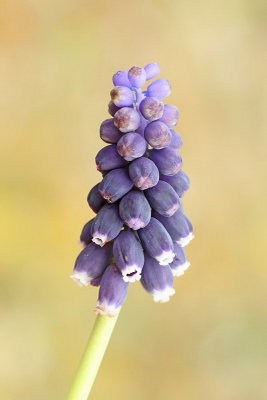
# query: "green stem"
[92,357]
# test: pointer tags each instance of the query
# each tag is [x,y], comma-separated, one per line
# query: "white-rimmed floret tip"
[140,228]
[112,292]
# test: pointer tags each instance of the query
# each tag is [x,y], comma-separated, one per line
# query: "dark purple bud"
[176,140]
[157,242]
[135,210]
[144,173]
[121,79]
[86,234]
[137,77]
[157,280]
[131,145]
[151,108]
[129,256]
[91,263]
[122,96]
[168,161]
[180,182]
[178,226]
[170,115]
[112,109]
[158,135]
[180,263]
[112,293]
[109,158]
[127,119]
[163,198]
[160,88]
[107,224]
[94,199]
[142,126]
[108,131]
[115,185]
[152,70]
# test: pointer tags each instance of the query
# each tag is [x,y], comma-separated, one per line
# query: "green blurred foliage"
[57,59]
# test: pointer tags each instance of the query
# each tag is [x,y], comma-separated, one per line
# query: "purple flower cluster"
[140,229]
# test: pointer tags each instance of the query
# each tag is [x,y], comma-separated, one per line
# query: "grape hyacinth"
[140,229]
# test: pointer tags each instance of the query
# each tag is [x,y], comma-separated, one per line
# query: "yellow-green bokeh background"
[57,59]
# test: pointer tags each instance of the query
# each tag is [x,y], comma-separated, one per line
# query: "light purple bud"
[168,161]
[158,135]
[142,126]
[94,199]
[108,131]
[180,182]
[112,109]
[86,234]
[122,96]
[121,79]
[135,210]
[107,224]
[157,242]
[112,293]
[131,145]
[160,88]
[180,263]
[157,280]
[151,108]
[115,185]
[129,256]
[170,115]
[163,199]
[137,77]
[152,70]
[91,263]
[108,158]
[178,226]
[144,173]
[176,140]
[127,119]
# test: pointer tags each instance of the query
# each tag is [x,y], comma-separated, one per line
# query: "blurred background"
[57,60]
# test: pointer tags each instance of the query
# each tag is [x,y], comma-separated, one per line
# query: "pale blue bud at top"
[135,210]
[180,263]
[131,145]
[107,224]
[86,234]
[160,88]
[122,96]
[121,79]
[157,242]
[112,108]
[158,135]
[176,140]
[109,158]
[94,199]
[108,131]
[178,226]
[112,293]
[127,119]
[91,263]
[151,108]
[170,115]
[152,70]
[144,173]
[128,255]
[163,199]
[180,182]
[157,280]
[168,161]
[137,77]
[115,185]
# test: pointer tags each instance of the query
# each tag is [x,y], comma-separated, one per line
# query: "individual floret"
[131,145]
[94,199]
[163,199]
[127,119]
[144,173]
[115,185]
[135,210]
[158,135]
[168,161]
[107,224]
[108,158]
